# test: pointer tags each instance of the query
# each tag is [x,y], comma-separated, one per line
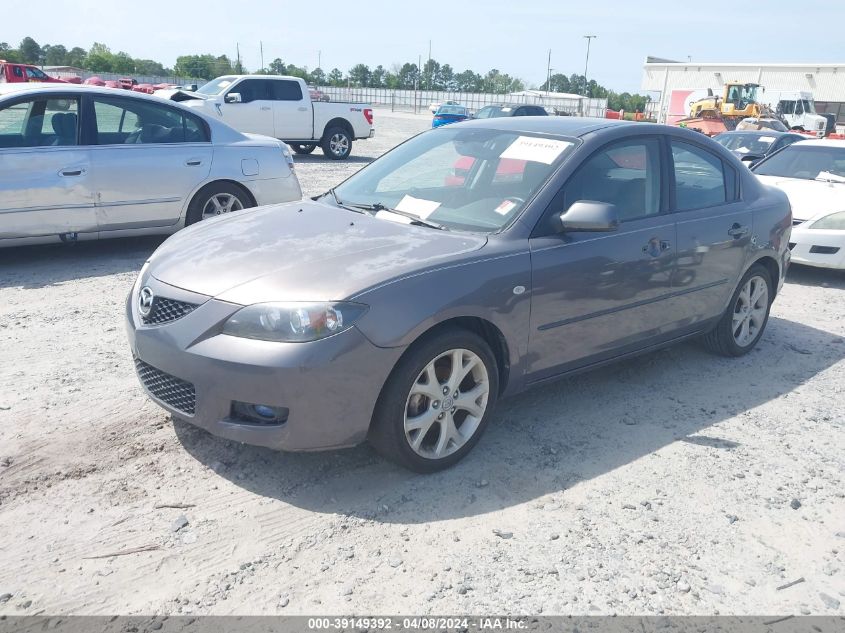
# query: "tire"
[304,148]
[404,394]
[737,337]
[229,196]
[336,143]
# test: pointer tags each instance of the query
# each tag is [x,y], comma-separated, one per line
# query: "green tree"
[8,53]
[55,55]
[76,57]
[100,58]
[150,67]
[335,77]
[446,78]
[318,77]
[408,76]
[30,51]
[468,81]
[122,63]
[277,67]
[378,76]
[359,75]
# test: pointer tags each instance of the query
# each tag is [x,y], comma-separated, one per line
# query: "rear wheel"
[304,148]
[743,322]
[337,143]
[216,199]
[437,402]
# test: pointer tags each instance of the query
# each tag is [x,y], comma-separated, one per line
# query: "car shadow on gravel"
[50,264]
[819,277]
[544,440]
[316,157]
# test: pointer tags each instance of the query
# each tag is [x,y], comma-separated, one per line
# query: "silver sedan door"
[45,175]
[148,158]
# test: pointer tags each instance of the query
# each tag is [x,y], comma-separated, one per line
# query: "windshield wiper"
[348,207]
[826,176]
[415,219]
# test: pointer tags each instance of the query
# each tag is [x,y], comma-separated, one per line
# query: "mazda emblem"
[145,301]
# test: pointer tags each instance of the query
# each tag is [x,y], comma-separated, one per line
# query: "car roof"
[557,125]
[40,88]
[757,132]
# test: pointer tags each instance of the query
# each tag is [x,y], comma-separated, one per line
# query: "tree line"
[432,75]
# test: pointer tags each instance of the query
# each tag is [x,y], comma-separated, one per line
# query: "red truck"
[13,73]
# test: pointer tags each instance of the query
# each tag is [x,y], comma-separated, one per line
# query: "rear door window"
[700,177]
[40,122]
[136,122]
[284,90]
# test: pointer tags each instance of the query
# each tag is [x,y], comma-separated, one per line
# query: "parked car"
[282,107]
[317,95]
[12,73]
[510,109]
[752,147]
[81,163]
[812,174]
[446,114]
[398,308]
[432,107]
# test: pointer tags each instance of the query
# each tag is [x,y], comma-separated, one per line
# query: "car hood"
[301,251]
[809,198]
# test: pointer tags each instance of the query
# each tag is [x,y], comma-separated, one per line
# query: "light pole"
[549,74]
[586,65]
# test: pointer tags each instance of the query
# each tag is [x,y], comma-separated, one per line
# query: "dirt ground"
[676,483]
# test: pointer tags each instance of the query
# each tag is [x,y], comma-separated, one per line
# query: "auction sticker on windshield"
[418,206]
[539,150]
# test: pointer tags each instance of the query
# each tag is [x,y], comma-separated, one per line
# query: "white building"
[825,81]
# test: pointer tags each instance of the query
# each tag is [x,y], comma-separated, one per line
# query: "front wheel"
[437,402]
[304,148]
[743,322]
[337,143]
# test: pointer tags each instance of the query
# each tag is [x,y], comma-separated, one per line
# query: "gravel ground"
[677,483]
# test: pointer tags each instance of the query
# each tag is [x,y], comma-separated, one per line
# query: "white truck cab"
[798,110]
[281,107]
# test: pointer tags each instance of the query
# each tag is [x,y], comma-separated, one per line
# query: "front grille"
[824,250]
[165,310]
[172,391]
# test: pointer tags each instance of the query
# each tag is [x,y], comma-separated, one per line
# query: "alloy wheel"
[446,403]
[339,144]
[221,203]
[750,309]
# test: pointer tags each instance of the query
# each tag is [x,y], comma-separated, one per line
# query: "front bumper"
[329,386]
[818,247]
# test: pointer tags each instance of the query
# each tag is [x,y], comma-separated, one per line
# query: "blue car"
[449,114]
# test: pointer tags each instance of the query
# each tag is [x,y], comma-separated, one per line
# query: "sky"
[514,36]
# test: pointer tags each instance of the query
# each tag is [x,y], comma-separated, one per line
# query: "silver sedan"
[81,163]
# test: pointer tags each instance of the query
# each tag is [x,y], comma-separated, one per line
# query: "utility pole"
[549,74]
[430,69]
[238,57]
[319,60]
[261,48]
[586,65]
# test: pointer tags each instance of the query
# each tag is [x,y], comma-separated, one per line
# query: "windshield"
[809,106]
[746,143]
[471,179]
[490,112]
[216,86]
[806,163]
[450,109]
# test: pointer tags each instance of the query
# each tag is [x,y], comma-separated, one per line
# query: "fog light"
[246,413]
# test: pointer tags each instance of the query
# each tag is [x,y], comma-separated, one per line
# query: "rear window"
[806,162]
[286,90]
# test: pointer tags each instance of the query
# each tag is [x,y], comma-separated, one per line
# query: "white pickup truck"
[281,107]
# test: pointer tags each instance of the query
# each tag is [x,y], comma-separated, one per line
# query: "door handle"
[265,107]
[303,109]
[737,230]
[72,172]
[193,162]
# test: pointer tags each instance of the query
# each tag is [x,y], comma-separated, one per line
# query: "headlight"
[137,283]
[293,322]
[835,221]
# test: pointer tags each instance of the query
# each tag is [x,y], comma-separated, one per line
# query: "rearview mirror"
[588,215]
[233,97]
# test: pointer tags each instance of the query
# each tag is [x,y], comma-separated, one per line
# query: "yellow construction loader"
[716,114]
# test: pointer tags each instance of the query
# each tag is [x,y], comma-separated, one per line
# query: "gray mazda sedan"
[467,264]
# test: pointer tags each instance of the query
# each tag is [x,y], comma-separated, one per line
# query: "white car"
[82,163]
[812,174]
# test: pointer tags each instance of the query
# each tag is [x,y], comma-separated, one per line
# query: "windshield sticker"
[767,139]
[539,150]
[742,150]
[418,206]
[224,84]
[505,208]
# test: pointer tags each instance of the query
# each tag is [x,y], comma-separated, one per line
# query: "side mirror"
[588,215]
[233,97]
[749,160]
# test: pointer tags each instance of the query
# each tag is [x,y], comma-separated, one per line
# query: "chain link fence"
[420,101]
